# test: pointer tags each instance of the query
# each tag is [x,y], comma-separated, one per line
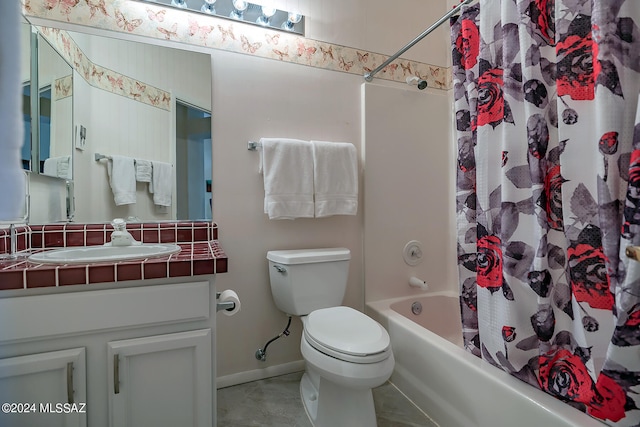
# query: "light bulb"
[268,12]
[208,7]
[240,5]
[294,18]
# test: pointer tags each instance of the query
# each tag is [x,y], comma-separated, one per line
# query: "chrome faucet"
[13,244]
[120,235]
[13,237]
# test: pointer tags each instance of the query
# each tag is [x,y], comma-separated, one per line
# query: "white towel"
[122,177]
[335,178]
[63,169]
[161,185]
[12,176]
[287,166]
[143,170]
[58,167]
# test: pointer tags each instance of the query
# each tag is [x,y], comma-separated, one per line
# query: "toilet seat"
[347,334]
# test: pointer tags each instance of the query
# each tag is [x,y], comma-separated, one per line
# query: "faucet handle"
[119,224]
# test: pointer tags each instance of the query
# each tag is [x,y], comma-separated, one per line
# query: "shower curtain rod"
[369,76]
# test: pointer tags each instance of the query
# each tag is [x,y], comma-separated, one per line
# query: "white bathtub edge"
[528,405]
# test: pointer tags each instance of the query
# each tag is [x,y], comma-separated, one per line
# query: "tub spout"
[414,282]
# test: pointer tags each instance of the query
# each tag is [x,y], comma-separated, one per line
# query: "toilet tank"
[304,280]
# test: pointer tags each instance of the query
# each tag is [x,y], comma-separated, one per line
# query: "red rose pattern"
[634,169]
[576,74]
[576,69]
[565,375]
[508,333]
[589,278]
[633,319]
[609,400]
[490,98]
[553,200]
[489,264]
[542,13]
[468,44]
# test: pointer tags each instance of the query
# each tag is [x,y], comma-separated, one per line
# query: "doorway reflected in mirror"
[193,161]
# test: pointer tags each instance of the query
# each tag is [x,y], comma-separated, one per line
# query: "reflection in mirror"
[52,77]
[124,99]
[193,161]
[25,70]
[55,89]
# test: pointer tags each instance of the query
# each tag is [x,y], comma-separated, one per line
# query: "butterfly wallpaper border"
[156,21]
[101,77]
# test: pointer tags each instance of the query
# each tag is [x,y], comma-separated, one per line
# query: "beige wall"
[409,190]
[257,98]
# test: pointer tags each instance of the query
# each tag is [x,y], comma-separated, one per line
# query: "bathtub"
[453,387]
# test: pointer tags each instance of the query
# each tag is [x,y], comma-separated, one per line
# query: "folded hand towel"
[122,177]
[143,170]
[335,178]
[63,169]
[50,167]
[12,176]
[161,185]
[287,166]
[58,166]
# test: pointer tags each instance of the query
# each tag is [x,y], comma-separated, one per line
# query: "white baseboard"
[259,374]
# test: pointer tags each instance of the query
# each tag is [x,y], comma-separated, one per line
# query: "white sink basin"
[89,254]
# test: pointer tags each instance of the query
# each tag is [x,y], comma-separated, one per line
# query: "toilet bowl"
[346,353]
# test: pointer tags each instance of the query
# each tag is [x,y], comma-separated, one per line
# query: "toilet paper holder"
[224,305]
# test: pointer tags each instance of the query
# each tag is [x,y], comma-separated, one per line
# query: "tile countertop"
[201,254]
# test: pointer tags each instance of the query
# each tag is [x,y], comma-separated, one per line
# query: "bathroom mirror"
[55,105]
[25,78]
[144,101]
[47,79]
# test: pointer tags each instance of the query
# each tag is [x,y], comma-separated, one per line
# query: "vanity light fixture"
[241,10]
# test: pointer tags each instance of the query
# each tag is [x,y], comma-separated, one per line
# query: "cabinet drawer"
[69,313]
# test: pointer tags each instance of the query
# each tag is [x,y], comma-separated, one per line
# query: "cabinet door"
[50,386]
[163,380]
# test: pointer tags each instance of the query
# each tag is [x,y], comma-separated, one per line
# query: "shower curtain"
[548,195]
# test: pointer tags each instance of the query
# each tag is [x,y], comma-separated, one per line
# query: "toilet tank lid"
[305,256]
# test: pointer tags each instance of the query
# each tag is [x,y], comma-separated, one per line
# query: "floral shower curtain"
[548,195]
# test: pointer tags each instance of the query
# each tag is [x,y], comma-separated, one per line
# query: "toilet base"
[332,405]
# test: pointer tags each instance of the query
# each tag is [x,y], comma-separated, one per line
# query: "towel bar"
[253,146]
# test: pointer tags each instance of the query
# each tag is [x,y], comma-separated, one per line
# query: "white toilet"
[346,352]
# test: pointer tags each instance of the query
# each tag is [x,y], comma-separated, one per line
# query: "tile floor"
[275,402]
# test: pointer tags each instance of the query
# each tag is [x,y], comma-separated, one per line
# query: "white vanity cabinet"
[137,354]
[161,381]
[44,389]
